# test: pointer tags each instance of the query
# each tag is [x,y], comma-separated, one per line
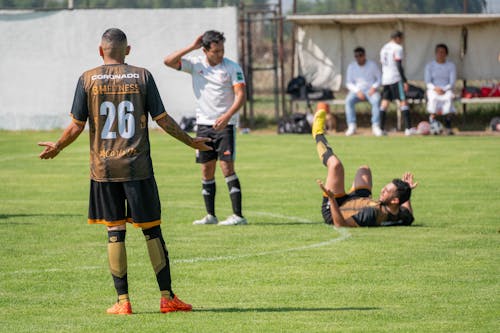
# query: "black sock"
[233,185]
[159,257]
[323,148]
[447,121]
[117,257]
[382,119]
[208,192]
[406,116]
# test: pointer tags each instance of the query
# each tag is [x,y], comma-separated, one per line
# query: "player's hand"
[439,91]
[408,177]
[51,150]
[221,122]
[361,95]
[200,144]
[329,193]
[197,42]
[406,87]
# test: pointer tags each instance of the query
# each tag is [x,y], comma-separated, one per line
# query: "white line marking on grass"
[343,235]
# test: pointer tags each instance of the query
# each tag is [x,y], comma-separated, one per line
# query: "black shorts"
[325,206]
[223,144]
[393,92]
[115,203]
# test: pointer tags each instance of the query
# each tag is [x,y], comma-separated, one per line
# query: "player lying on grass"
[117,99]
[357,208]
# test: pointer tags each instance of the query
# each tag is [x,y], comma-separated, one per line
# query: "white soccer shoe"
[234,220]
[209,219]
[351,130]
[410,131]
[377,131]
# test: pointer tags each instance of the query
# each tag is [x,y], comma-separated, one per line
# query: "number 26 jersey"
[116,100]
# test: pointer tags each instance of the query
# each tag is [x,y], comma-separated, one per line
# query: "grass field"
[284,272]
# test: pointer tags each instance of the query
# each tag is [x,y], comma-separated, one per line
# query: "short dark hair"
[114,36]
[397,34]
[403,190]
[442,46]
[212,36]
[360,50]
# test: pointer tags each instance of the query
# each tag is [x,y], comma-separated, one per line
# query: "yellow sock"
[318,126]
[123,298]
[166,293]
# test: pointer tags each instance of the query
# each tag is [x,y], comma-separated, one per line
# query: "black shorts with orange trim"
[115,203]
[325,206]
[223,144]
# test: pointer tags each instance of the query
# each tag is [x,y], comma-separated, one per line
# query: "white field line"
[343,235]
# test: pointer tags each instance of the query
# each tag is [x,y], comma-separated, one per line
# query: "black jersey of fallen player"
[370,213]
[116,100]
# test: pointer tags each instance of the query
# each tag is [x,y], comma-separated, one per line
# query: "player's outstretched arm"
[173,59]
[69,135]
[169,125]
[409,178]
[338,219]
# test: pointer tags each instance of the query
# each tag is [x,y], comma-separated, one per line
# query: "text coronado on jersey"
[115,76]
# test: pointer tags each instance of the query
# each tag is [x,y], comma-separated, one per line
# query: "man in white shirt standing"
[440,77]
[394,80]
[219,87]
[362,80]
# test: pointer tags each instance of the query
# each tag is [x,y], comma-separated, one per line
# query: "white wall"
[44,53]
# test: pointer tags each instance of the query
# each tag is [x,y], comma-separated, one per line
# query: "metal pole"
[281,60]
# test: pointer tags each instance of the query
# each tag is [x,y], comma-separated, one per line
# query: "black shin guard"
[208,192]
[117,256]
[382,119]
[406,116]
[159,257]
[323,148]
[234,187]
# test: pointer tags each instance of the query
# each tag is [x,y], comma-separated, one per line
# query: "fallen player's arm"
[338,219]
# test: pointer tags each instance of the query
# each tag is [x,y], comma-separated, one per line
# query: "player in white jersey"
[394,80]
[219,88]
[363,81]
[440,77]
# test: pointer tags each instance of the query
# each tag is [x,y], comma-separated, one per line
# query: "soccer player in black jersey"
[357,208]
[116,99]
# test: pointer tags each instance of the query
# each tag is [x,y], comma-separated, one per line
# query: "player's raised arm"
[409,178]
[169,125]
[173,60]
[69,135]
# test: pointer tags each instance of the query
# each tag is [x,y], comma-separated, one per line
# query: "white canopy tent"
[324,44]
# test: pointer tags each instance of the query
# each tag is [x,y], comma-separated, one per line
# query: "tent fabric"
[325,43]
[44,53]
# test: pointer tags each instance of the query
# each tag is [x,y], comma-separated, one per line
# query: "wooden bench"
[476,100]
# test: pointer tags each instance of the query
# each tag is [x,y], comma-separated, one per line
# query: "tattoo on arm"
[169,125]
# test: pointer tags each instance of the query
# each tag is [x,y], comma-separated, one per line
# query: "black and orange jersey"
[370,213]
[116,100]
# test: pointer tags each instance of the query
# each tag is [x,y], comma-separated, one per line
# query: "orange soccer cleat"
[120,309]
[175,304]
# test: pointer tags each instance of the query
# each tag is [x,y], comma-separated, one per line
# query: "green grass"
[284,272]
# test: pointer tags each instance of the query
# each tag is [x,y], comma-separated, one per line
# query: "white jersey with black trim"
[213,87]
[389,55]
